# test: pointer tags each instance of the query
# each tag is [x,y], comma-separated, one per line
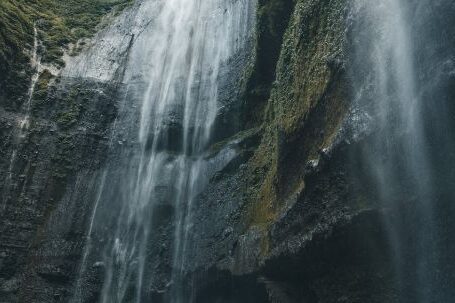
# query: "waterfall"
[35,62]
[397,159]
[24,122]
[179,53]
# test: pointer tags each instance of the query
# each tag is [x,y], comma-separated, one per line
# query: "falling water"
[397,157]
[23,124]
[35,63]
[173,75]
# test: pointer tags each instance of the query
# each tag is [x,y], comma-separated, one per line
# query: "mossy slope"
[58,24]
[307,103]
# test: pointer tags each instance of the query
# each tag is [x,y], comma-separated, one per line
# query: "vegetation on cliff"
[59,24]
[306,105]
[272,21]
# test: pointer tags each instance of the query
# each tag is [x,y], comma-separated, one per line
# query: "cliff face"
[54,133]
[311,222]
[295,216]
[299,226]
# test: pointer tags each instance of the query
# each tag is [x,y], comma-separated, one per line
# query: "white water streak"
[180,50]
[24,122]
[399,109]
[35,62]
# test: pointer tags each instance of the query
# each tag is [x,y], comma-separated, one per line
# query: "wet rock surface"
[47,182]
[328,241]
[293,217]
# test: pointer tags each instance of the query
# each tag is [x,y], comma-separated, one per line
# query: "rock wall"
[294,217]
[56,158]
[288,215]
[299,216]
[55,135]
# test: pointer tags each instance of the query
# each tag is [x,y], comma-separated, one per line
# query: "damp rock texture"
[321,171]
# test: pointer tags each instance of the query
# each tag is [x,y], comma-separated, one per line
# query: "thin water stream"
[24,122]
[35,63]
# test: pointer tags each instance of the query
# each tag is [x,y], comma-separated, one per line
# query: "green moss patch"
[272,20]
[306,99]
[58,23]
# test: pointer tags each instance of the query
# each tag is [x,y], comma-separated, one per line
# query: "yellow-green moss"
[272,20]
[62,159]
[72,108]
[58,23]
[305,109]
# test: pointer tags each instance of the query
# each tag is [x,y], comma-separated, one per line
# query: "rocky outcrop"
[307,224]
[264,218]
[55,135]
[298,197]
[47,174]
[293,217]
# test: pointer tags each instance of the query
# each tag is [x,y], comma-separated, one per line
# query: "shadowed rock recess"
[227,151]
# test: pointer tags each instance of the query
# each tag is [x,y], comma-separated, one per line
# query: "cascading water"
[397,157]
[24,123]
[36,66]
[173,71]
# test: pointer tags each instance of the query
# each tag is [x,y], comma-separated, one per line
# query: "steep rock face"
[295,98]
[306,107]
[55,136]
[288,190]
[60,28]
[300,213]
[57,158]
[54,165]
[293,217]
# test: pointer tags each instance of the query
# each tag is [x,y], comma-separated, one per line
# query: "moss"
[59,24]
[43,81]
[15,37]
[306,104]
[69,118]
[42,96]
[41,88]
[62,23]
[62,159]
[73,20]
[242,136]
[272,20]
[71,108]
